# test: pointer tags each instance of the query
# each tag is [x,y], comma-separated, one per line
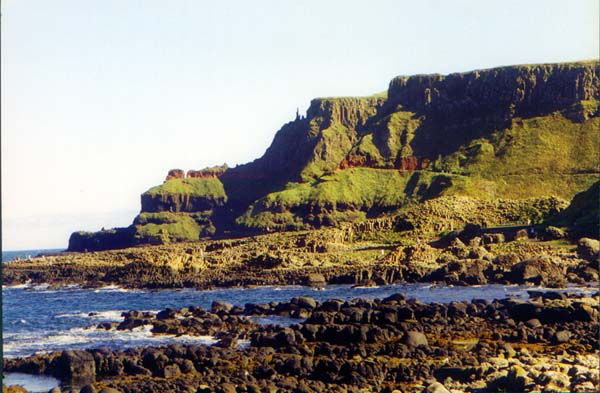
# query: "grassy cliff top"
[191,186]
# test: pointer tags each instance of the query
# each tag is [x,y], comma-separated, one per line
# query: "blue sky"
[101,98]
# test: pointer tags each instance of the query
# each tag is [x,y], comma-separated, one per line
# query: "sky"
[101,98]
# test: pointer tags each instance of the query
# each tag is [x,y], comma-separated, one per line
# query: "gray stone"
[415,339]
[561,337]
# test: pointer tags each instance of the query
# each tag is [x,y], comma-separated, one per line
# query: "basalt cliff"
[509,133]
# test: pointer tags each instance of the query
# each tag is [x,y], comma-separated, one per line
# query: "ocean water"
[38,319]
[24,254]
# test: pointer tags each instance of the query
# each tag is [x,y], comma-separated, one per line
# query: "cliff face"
[167,202]
[511,132]
[500,93]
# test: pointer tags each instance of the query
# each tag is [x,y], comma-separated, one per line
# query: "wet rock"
[305,302]
[167,313]
[75,367]
[218,305]
[539,271]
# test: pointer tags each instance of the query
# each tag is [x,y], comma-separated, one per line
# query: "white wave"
[84,338]
[107,315]
[115,288]
[17,286]
[243,344]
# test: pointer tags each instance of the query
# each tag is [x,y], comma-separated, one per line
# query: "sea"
[38,318]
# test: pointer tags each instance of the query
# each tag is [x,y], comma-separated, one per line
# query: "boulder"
[109,390]
[561,337]
[305,302]
[315,280]
[219,305]
[587,248]
[539,271]
[521,234]
[75,367]
[553,233]
[171,371]
[415,339]
[492,238]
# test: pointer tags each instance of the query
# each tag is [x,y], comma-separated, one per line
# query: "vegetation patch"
[210,187]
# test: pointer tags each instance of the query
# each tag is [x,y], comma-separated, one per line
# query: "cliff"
[510,132]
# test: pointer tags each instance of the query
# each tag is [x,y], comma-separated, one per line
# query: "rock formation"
[510,132]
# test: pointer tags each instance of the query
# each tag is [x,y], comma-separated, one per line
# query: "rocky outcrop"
[208,173]
[101,240]
[175,174]
[509,132]
[581,216]
[172,202]
[498,93]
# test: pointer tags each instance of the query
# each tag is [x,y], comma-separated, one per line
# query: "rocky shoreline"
[547,343]
[331,256]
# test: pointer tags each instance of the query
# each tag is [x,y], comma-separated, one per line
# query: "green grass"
[344,196]
[540,156]
[193,186]
[165,227]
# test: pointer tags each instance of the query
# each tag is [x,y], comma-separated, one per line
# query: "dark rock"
[539,271]
[533,323]
[493,238]
[131,323]
[456,373]
[218,305]
[75,367]
[170,371]
[88,389]
[167,313]
[305,302]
